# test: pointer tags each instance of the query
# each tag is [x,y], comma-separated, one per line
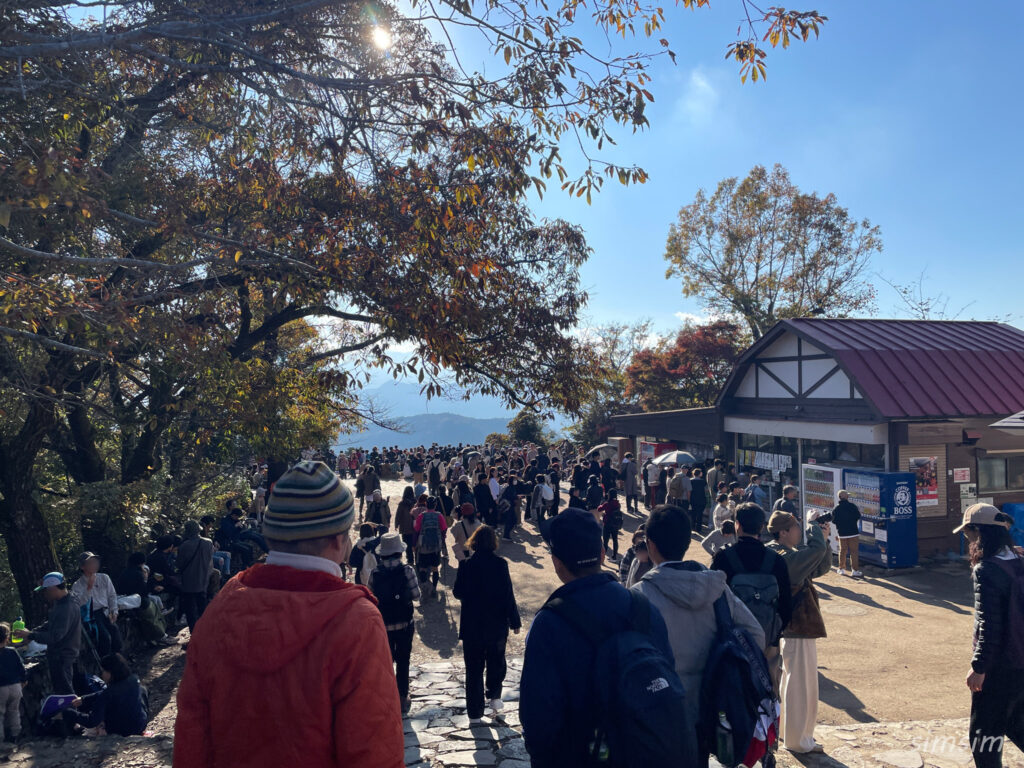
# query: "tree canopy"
[688,371]
[760,250]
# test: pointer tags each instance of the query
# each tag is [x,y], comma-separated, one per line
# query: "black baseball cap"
[574,537]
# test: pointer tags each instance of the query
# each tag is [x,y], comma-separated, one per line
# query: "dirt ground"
[898,645]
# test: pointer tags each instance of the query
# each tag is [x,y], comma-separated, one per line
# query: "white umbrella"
[677,457]
[605,450]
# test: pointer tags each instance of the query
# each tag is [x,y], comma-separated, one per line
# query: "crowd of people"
[313,626]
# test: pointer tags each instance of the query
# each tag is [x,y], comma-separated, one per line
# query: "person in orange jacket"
[290,664]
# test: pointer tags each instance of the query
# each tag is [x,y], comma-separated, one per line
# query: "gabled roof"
[909,369]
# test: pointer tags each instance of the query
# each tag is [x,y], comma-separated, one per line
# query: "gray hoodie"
[685,593]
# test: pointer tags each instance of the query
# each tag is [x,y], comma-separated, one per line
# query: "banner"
[927,472]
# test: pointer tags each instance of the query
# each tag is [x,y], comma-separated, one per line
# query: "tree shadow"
[840,697]
[814,760]
[857,597]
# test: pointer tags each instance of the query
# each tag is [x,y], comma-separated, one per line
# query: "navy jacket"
[489,608]
[122,707]
[557,699]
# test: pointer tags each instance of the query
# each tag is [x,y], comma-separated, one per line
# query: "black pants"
[400,642]
[193,604]
[613,535]
[108,639]
[479,654]
[62,673]
[997,712]
[696,518]
[409,552]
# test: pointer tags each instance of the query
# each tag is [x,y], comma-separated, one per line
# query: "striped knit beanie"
[308,502]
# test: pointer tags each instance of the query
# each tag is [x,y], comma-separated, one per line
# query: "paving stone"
[515,749]
[422,739]
[461,746]
[901,758]
[477,757]
[514,764]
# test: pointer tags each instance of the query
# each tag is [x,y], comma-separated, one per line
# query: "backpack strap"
[723,615]
[768,564]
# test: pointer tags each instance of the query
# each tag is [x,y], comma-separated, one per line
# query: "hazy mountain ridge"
[427,428]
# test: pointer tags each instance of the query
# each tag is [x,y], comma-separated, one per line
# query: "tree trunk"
[29,547]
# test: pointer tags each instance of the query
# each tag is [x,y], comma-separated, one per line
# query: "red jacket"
[288,668]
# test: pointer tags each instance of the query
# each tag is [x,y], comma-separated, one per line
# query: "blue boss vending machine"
[888,523]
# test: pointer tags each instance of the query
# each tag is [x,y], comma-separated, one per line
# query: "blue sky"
[908,111]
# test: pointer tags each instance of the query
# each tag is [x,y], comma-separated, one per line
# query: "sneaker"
[840,571]
[856,574]
[497,704]
[476,721]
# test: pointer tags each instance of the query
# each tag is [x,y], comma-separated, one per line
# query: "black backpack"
[737,701]
[759,591]
[394,597]
[640,699]
[435,474]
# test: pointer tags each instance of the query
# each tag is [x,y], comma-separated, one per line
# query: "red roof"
[924,368]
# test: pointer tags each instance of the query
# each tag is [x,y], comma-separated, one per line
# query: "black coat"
[484,587]
[992,590]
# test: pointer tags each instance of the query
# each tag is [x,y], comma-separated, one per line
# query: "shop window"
[819,450]
[873,456]
[787,446]
[766,443]
[992,474]
[848,453]
[748,442]
[1015,473]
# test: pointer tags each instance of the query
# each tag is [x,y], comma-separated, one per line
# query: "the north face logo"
[658,684]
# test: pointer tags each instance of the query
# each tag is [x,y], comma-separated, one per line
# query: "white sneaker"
[497,704]
[856,574]
[840,571]
[475,720]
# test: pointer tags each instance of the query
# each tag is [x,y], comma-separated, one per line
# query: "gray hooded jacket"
[685,593]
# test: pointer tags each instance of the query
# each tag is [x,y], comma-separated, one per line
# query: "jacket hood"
[269,614]
[687,587]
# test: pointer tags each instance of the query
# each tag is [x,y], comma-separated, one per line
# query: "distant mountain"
[427,428]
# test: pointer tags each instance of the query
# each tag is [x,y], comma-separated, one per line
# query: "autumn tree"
[688,371]
[182,188]
[760,250]
[613,345]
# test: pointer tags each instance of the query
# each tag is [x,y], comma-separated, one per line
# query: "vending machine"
[888,509]
[821,484]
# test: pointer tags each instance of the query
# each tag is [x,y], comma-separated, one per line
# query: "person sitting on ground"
[684,593]
[314,690]
[134,580]
[463,530]
[489,610]
[798,686]
[362,559]
[221,558]
[230,526]
[122,708]
[13,679]
[96,590]
[611,522]
[720,538]
[395,586]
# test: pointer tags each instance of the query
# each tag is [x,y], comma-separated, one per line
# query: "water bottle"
[18,624]
[723,742]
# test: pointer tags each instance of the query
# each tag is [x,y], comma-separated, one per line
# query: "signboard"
[773,462]
[927,471]
[968,489]
[653,450]
[962,475]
